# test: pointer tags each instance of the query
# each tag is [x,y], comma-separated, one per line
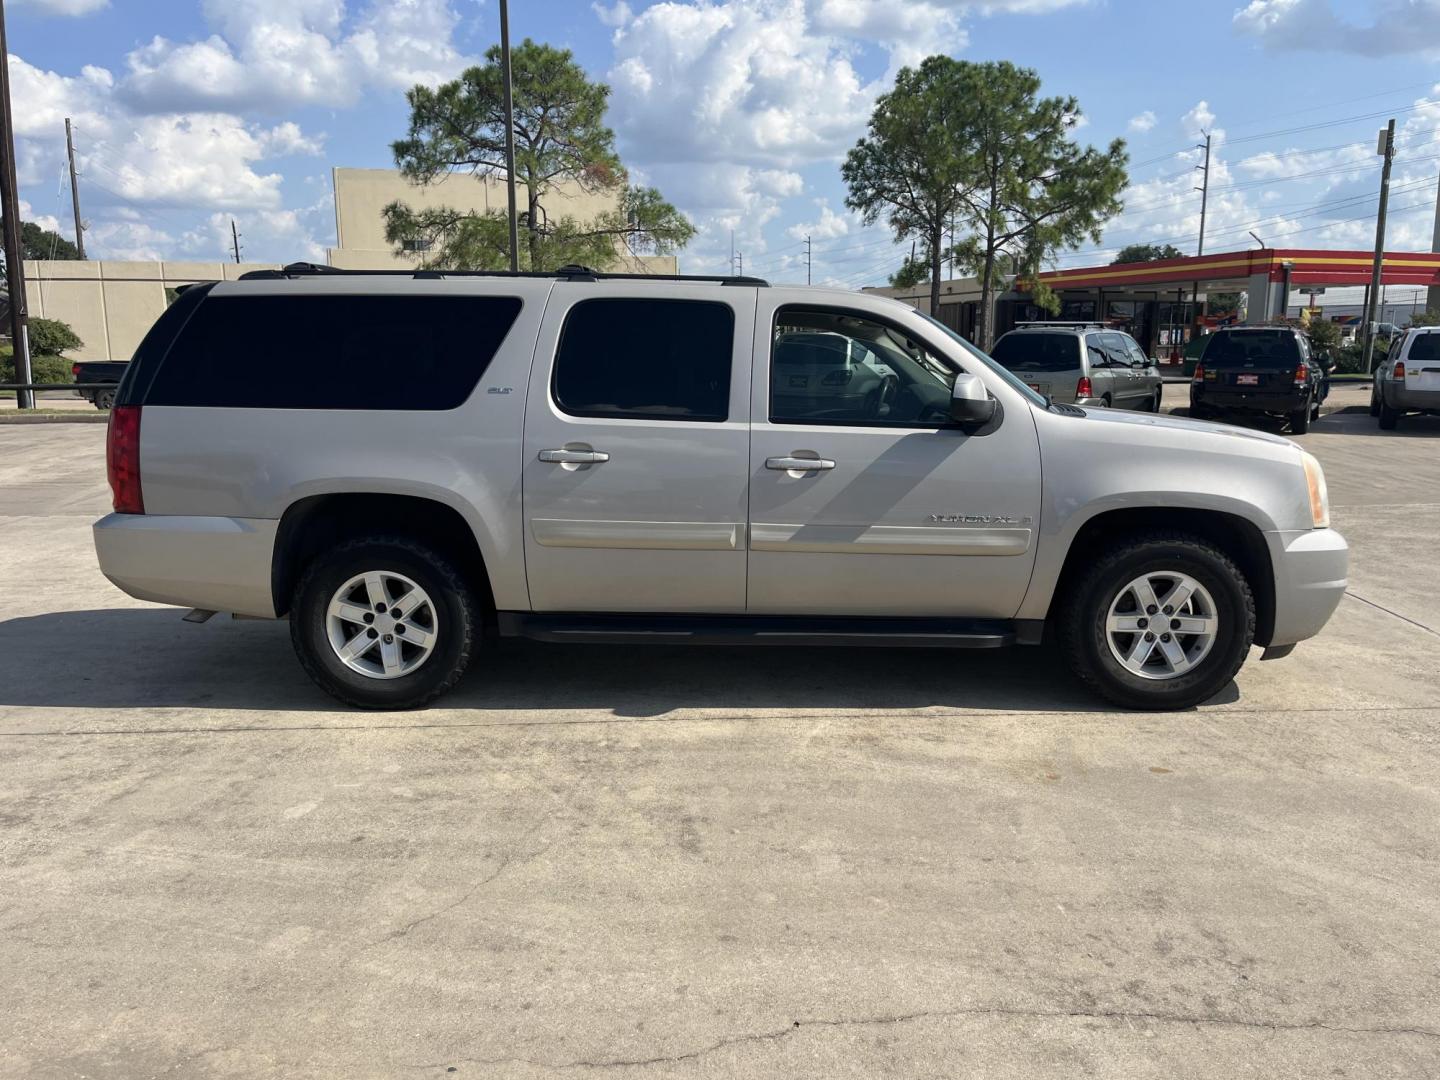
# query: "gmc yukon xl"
[419,462]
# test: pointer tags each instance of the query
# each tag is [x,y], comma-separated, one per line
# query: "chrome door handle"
[798,464]
[574,457]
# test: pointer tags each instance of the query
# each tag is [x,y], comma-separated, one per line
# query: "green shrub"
[51,337]
[1349,360]
[42,369]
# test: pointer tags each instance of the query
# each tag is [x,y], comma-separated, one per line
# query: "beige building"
[111,305]
[361,196]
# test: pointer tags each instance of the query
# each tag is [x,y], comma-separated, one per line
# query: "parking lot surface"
[749,863]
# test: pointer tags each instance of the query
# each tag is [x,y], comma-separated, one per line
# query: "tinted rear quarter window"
[1426,349]
[1260,348]
[1037,352]
[646,359]
[333,352]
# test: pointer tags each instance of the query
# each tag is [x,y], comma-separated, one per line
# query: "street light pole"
[509,136]
[10,208]
[1387,148]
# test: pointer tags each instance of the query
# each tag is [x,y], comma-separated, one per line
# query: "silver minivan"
[1082,364]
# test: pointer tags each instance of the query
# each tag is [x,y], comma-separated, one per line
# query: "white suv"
[407,464]
[1409,379]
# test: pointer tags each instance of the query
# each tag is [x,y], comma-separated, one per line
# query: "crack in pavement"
[1388,611]
[514,859]
[939,1014]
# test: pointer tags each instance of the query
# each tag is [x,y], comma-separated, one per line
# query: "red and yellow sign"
[1306,268]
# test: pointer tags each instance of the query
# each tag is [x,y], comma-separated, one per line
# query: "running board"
[762,630]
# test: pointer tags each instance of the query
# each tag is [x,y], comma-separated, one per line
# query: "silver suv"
[407,465]
[1409,379]
[1082,364]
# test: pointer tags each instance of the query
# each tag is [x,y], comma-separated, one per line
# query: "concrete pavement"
[713,863]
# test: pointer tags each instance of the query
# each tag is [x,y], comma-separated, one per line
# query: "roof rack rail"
[1064,323]
[572,272]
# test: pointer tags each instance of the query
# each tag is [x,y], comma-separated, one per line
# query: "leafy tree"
[1324,334]
[915,270]
[40,243]
[1028,189]
[560,138]
[1140,253]
[48,339]
[1430,317]
[910,167]
[51,337]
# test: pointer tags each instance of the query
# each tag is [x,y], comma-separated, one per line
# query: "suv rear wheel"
[1300,419]
[1162,622]
[383,623]
[1389,418]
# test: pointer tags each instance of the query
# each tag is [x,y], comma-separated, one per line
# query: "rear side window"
[333,352]
[1037,352]
[1258,348]
[646,360]
[1425,349]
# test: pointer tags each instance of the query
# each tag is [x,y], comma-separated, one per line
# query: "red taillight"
[1399,372]
[1302,375]
[122,459]
[1199,375]
[74,371]
[1083,387]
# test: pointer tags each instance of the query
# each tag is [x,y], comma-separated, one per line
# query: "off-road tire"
[104,400]
[1081,621]
[1389,418]
[457,617]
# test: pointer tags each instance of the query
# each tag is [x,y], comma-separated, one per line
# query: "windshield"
[1252,348]
[1016,383]
[1037,352]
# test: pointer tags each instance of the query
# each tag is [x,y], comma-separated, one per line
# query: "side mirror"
[971,406]
[1142,364]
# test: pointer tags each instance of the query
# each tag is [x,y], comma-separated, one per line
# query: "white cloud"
[827,227]
[128,240]
[616,15]
[748,81]
[1142,123]
[46,221]
[278,54]
[61,7]
[1393,27]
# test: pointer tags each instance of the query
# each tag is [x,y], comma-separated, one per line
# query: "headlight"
[1319,497]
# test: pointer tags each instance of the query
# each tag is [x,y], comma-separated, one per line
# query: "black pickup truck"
[107,372]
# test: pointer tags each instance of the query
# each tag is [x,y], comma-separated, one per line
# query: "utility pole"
[1432,295]
[74,190]
[509,137]
[10,208]
[807,260]
[1387,148]
[1204,190]
[235,239]
[739,264]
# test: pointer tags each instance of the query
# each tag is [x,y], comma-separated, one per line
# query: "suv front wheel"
[383,623]
[1162,622]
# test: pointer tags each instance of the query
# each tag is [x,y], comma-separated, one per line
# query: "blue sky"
[191,112]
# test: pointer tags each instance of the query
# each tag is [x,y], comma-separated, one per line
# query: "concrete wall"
[361,196]
[111,305]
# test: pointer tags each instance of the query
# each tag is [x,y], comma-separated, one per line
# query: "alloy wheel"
[1161,624]
[381,624]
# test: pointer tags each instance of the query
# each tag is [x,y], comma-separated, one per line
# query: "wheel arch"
[314,523]
[1238,537]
